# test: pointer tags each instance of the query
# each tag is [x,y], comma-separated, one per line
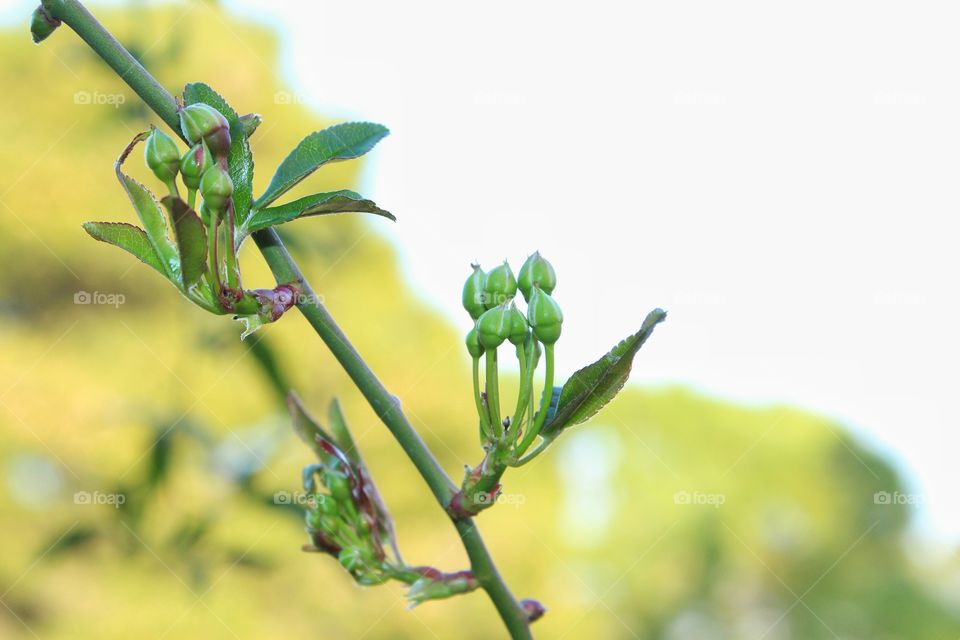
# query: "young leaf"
[129,238]
[240,158]
[306,427]
[590,388]
[150,214]
[316,205]
[340,142]
[191,240]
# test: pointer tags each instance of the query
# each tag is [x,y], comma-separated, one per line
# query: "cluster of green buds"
[489,298]
[206,269]
[347,519]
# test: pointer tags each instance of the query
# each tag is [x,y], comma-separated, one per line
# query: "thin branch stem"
[485,433]
[493,392]
[545,399]
[285,270]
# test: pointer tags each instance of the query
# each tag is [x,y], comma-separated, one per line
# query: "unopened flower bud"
[339,486]
[202,122]
[545,316]
[474,294]
[326,505]
[493,327]
[216,187]
[194,164]
[162,155]
[536,271]
[518,326]
[501,285]
[473,343]
[42,25]
[313,520]
[351,559]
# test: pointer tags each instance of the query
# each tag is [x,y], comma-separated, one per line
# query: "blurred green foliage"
[669,516]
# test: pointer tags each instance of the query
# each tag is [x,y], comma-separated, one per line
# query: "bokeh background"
[761,478]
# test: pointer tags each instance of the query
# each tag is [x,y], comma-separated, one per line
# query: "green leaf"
[317,204]
[150,214]
[591,388]
[129,238]
[250,123]
[306,427]
[240,158]
[191,240]
[339,142]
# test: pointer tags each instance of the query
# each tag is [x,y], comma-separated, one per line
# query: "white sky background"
[783,178]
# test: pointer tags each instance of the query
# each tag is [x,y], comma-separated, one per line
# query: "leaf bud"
[42,24]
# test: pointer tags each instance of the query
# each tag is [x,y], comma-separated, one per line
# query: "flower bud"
[313,520]
[473,343]
[351,559]
[339,486]
[536,271]
[545,316]
[493,327]
[194,164]
[518,326]
[216,187]
[202,122]
[162,155]
[474,294]
[500,286]
[326,505]
[42,25]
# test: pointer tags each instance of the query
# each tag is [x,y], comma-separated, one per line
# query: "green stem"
[213,265]
[493,392]
[540,448]
[521,395]
[485,433]
[545,399]
[285,270]
[233,271]
[192,199]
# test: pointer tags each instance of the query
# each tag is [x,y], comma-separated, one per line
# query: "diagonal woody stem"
[285,270]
